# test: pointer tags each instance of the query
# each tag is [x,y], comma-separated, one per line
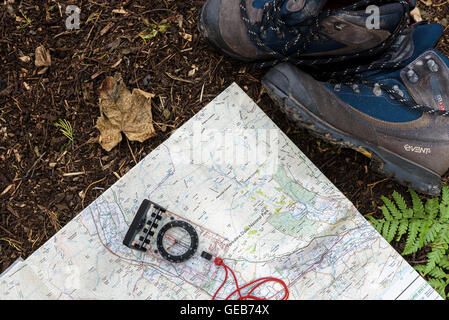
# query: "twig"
[71,174]
[34,165]
[87,189]
[377,182]
[131,150]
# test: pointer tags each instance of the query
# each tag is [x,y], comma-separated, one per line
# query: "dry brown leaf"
[42,57]
[416,14]
[123,111]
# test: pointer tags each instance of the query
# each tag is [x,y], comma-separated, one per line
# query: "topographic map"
[255,200]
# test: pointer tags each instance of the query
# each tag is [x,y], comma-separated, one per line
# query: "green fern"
[66,128]
[424,225]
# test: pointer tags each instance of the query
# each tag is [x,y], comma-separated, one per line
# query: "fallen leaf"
[123,111]
[42,57]
[416,14]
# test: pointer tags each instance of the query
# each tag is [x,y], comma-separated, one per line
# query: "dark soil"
[45,181]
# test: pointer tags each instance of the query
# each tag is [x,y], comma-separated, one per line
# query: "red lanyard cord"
[258,283]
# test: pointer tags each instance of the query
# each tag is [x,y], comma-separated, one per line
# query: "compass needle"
[177,241]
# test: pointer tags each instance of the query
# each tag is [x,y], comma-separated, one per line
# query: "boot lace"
[273,20]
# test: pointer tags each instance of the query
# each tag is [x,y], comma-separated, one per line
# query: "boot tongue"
[413,42]
[296,11]
[293,12]
[426,79]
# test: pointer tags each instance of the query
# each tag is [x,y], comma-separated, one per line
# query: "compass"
[156,229]
[177,241]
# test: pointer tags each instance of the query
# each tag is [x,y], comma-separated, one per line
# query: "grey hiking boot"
[300,31]
[397,117]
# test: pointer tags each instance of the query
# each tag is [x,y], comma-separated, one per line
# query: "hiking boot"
[398,118]
[287,30]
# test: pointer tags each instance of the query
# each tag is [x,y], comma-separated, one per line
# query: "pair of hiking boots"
[356,74]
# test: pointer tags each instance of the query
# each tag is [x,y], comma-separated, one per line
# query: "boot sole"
[383,161]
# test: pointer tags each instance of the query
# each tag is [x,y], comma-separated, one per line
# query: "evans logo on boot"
[410,148]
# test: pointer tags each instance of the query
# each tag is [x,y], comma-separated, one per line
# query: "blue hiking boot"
[398,117]
[301,31]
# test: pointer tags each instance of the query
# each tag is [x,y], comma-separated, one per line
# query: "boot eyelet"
[412,76]
[398,90]
[339,26]
[377,90]
[432,65]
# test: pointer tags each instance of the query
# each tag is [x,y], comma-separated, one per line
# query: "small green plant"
[423,226]
[153,30]
[66,128]
[28,21]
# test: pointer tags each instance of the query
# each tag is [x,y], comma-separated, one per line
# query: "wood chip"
[42,57]
[6,189]
[120,11]
[106,29]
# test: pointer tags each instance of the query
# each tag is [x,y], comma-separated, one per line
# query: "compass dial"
[177,241]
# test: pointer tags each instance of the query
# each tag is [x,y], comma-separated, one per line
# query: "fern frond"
[385,229]
[402,205]
[437,273]
[394,225]
[443,236]
[432,232]
[433,258]
[432,208]
[439,285]
[420,268]
[390,207]
[444,262]
[423,225]
[376,223]
[418,207]
[411,244]
[402,229]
